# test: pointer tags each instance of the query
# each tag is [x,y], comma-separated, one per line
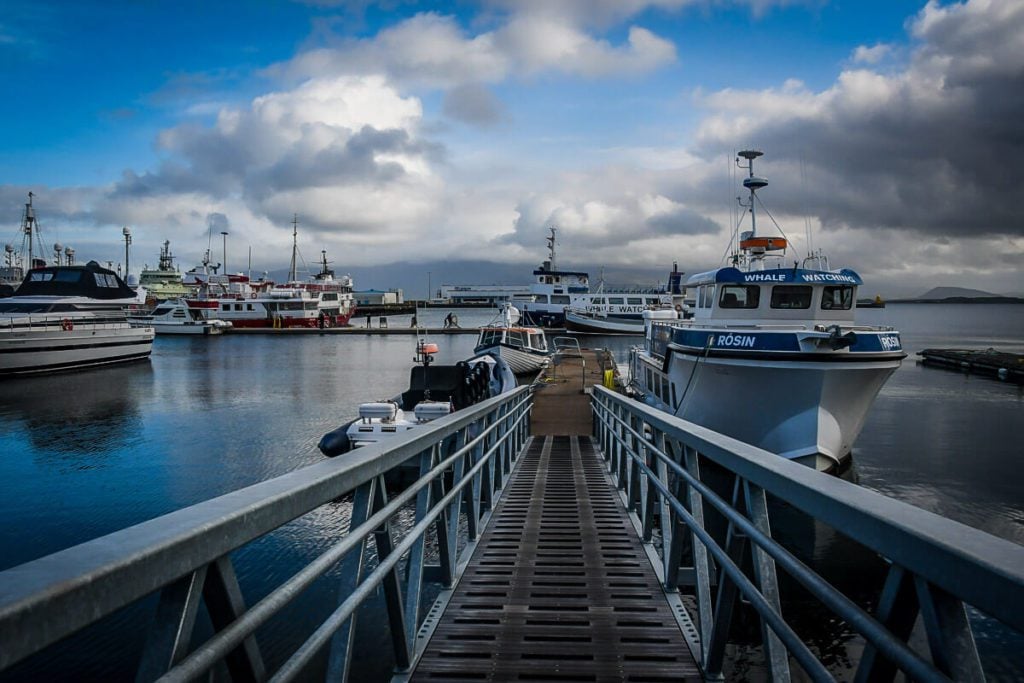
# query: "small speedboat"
[177,317]
[434,391]
[525,349]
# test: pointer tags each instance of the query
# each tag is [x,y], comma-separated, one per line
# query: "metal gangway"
[709,546]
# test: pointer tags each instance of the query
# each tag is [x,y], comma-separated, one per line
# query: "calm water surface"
[86,453]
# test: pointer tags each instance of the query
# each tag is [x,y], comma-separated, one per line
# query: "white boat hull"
[35,351]
[190,328]
[811,412]
[522,362]
[590,324]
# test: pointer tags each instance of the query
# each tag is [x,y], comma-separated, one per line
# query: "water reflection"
[83,413]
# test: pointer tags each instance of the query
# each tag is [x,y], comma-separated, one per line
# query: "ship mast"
[28,226]
[293,275]
[551,248]
[752,183]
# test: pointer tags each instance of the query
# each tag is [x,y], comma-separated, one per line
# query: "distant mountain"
[958,292]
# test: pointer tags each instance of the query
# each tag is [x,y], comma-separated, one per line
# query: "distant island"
[959,295]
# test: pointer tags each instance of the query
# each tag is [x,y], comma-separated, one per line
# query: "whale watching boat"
[525,349]
[433,392]
[622,312]
[67,316]
[772,356]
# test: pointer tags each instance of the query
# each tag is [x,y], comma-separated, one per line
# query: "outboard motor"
[336,442]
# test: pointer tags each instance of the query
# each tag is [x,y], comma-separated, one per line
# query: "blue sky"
[410,132]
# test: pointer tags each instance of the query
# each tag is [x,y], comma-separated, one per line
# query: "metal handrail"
[47,599]
[947,564]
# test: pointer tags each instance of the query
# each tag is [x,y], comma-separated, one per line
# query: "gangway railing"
[463,461]
[670,474]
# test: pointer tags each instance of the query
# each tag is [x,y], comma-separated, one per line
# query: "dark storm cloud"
[473,104]
[938,147]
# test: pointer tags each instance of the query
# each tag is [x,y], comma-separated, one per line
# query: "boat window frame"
[634,301]
[747,303]
[778,291]
[560,300]
[709,296]
[845,305]
[616,301]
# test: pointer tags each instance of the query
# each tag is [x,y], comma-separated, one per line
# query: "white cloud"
[871,55]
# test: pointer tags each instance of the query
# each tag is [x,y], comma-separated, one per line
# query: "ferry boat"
[433,393]
[525,349]
[551,292]
[772,356]
[64,317]
[165,282]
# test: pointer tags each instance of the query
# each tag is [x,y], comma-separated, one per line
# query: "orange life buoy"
[67,325]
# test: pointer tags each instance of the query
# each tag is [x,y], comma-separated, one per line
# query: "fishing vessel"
[177,317]
[320,301]
[64,317]
[525,349]
[433,393]
[772,356]
[164,282]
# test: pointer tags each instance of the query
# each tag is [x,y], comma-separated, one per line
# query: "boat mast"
[551,248]
[752,183]
[292,275]
[28,226]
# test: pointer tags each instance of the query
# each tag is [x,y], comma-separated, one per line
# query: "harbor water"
[86,453]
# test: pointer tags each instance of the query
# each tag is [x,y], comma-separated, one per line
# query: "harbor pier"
[565,530]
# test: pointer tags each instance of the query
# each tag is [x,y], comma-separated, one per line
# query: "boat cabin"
[783,294]
[518,337]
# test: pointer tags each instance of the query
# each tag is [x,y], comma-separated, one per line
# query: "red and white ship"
[320,301]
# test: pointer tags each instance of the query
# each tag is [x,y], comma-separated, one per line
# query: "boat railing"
[185,558]
[713,500]
[42,323]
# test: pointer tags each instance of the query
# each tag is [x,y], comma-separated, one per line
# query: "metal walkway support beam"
[183,556]
[938,566]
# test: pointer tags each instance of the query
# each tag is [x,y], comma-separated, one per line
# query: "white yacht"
[64,317]
[772,356]
[177,317]
[525,349]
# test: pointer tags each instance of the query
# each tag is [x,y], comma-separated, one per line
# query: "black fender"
[336,442]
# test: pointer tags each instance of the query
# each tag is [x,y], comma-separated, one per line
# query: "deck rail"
[936,566]
[464,460]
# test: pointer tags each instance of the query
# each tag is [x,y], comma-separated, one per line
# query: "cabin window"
[238,307]
[537,341]
[664,389]
[248,307]
[40,277]
[650,378]
[225,307]
[515,337]
[597,300]
[558,279]
[329,296]
[75,276]
[615,300]
[635,301]
[540,299]
[837,298]
[791,296]
[709,296]
[739,296]
[562,299]
[162,311]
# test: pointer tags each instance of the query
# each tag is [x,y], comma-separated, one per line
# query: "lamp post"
[225,254]
[126,231]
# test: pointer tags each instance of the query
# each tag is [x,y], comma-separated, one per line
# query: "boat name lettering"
[764,277]
[828,277]
[741,340]
[890,342]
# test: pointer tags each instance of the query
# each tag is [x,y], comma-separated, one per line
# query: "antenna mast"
[293,275]
[551,247]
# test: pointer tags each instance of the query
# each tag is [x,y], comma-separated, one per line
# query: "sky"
[445,137]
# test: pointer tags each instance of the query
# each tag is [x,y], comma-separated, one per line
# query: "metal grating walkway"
[560,588]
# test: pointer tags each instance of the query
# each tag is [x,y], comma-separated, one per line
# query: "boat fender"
[679,309]
[67,325]
[336,442]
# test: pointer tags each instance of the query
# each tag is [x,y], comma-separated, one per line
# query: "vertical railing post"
[764,573]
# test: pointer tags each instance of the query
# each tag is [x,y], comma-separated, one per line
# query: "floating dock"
[1008,367]
[560,587]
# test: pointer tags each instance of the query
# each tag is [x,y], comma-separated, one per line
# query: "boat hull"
[521,361]
[806,411]
[188,328]
[29,352]
[587,324]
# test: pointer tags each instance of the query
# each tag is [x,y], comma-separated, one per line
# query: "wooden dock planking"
[560,587]
[561,402]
